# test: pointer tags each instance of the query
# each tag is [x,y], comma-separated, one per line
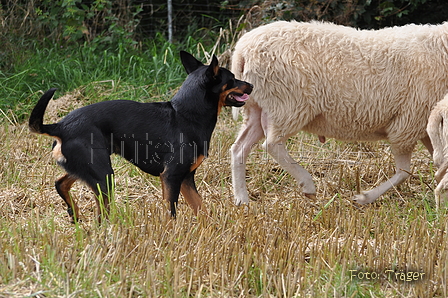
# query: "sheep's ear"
[213,68]
[189,62]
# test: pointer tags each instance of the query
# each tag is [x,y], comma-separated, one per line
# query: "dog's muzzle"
[238,98]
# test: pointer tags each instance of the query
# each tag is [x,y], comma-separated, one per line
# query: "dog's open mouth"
[237,100]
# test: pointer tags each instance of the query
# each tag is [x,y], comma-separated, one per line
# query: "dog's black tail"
[36,122]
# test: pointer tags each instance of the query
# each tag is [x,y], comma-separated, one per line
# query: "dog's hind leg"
[103,190]
[63,186]
[92,166]
[190,193]
[249,135]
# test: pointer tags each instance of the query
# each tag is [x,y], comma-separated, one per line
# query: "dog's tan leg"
[191,195]
[170,189]
[165,195]
[63,186]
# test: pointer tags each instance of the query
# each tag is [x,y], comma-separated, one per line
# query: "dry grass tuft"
[68,102]
[283,245]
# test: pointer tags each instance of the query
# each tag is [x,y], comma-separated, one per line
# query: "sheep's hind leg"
[403,167]
[277,150]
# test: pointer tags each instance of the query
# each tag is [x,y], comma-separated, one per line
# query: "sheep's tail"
[437,132]
[36,122]
[237,69]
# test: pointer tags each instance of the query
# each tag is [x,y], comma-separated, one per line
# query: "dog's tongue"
[244,97]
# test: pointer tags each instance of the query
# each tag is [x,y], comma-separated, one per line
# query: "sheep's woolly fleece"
[344,83]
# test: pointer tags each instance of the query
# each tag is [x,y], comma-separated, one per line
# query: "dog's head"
[218,80]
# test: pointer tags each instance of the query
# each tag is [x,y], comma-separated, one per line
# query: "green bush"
[145,75]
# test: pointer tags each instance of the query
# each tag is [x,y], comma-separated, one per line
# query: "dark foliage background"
[133,20]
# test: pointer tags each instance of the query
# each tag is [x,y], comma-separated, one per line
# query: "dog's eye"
[230,84]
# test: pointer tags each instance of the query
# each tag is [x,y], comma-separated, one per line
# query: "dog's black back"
[166,139]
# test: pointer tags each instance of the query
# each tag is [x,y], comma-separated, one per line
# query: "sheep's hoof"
[239,201]
[361,199]
[310,196]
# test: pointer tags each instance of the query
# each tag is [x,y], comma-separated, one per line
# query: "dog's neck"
[196,107]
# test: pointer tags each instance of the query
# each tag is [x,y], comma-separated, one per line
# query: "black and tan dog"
[166,139]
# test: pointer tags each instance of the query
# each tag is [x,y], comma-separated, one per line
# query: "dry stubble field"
[283,245]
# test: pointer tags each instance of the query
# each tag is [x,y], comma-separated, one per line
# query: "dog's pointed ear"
[213,68]
[189,62]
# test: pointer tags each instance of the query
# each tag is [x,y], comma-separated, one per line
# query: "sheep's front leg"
[249,135]
[403,167]
[440,193]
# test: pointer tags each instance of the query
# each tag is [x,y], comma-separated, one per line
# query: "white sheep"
[338,82]
[438,133]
